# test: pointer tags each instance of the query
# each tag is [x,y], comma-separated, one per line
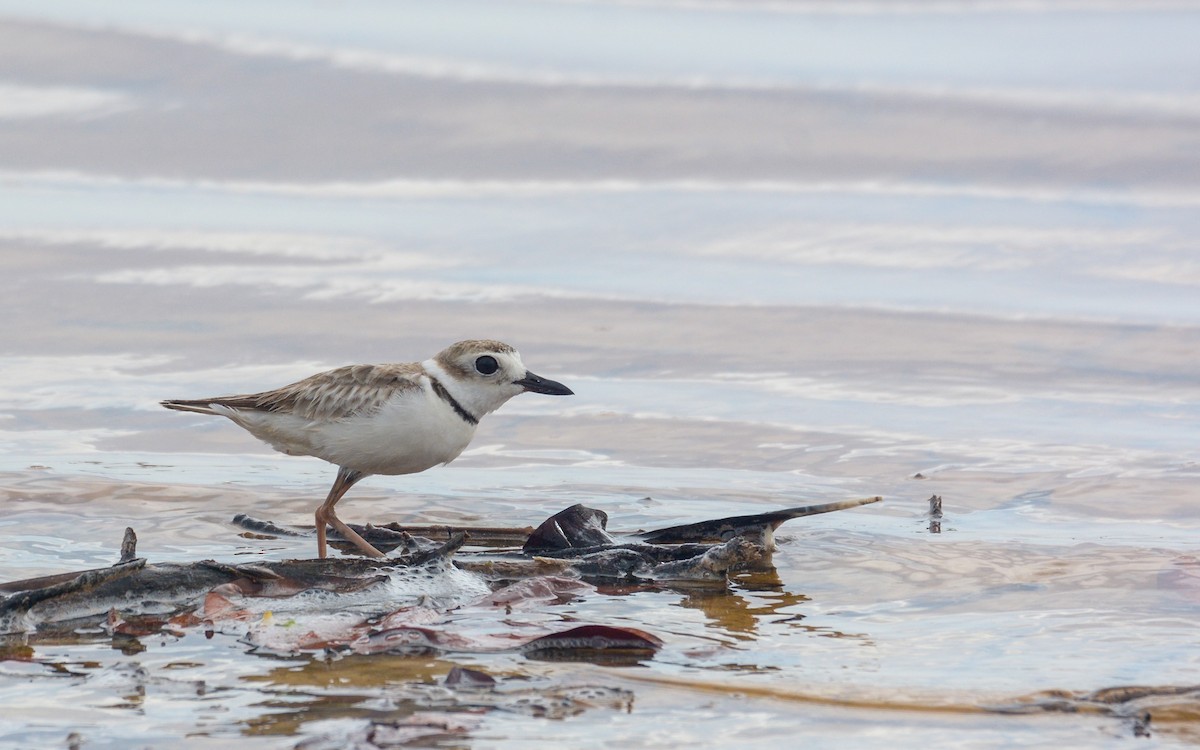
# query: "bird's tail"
[198,406]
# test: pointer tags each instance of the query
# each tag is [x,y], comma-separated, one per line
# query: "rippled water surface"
[784,253]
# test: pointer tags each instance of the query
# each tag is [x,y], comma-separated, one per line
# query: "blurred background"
[784,252]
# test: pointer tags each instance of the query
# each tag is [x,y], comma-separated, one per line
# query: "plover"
[381,419]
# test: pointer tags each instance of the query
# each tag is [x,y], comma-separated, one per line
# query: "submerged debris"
[935,514]
[138,586]
[431,713]
[723,529]
[572,544]
[1136,704]
[577,526]
[476,690]
[705,551]
[589,641]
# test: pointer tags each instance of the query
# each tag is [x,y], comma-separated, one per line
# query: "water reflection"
[318,690]
[393,690]
[739,614]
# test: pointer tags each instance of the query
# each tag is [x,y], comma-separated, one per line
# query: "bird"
[381,419]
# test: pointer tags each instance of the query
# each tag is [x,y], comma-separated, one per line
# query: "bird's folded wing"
[335,394]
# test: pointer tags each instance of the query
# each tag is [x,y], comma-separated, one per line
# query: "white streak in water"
[404,188]
[899,8]
[980,248]
[1097,101]
[21,102]
[273,244]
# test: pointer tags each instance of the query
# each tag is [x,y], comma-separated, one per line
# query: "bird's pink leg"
[325,515]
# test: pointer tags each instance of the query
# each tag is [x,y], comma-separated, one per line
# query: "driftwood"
[573,543]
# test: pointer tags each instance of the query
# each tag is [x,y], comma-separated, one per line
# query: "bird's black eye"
[486,365]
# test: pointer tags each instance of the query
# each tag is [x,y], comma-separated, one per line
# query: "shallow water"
[784,254]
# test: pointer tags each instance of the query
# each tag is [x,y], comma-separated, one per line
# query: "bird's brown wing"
[334,394]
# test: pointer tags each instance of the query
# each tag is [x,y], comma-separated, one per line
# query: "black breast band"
[444,394]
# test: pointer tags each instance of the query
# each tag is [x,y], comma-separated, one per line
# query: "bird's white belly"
[405,436]
[410,433]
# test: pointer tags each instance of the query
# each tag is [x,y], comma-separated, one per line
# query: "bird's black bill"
[536,384]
